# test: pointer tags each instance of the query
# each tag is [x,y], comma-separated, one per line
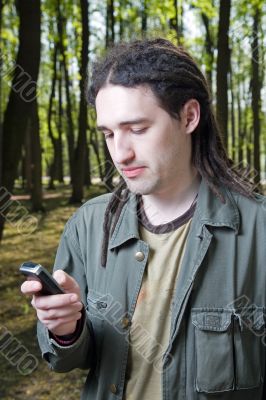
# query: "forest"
[52,158]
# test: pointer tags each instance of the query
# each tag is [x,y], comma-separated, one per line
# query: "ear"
[191,115]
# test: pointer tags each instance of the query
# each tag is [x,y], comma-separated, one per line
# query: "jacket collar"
[209,211]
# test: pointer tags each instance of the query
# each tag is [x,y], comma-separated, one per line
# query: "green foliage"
[127,19]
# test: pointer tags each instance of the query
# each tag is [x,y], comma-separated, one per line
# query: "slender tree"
[144,18]
[1,67]
[256,93]
[223,63]
[80,151]
[59,164]
[232,112]
[109,40]
[209,48]
[70,126]
[23,91]
[52,171]
[36,160]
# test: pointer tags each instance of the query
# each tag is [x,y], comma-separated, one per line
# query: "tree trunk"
[60,164]
[122,6]
[36,160]
[27,159]
[233,130]
[223,62]
[256,94]
[176,22]
[209,47]
[110,23]
[52,169]
[80,151]
[240,115]
[87,168]
[108,167]
[144,18]
[1,67]
[70,126]
[23,92]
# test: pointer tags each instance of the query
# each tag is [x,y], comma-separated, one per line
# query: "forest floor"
[17,318]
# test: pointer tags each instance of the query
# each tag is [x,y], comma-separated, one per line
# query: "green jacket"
[217,339]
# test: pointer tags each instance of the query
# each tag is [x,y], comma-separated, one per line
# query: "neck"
[168,205]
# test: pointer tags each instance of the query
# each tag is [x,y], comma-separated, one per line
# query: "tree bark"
[49,118]
[80,151]
[110,23]
[70,126]
[240,115]
[23,92]
[36,160]
[144,18]
[27,160]
[256,94]
[176,22]
[60,164]
[1,67]
[223,62]
[233,130]
[209,47]
[108,167]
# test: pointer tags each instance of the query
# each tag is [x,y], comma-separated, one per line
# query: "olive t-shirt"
[150,329]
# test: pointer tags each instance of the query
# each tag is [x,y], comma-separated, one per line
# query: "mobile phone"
[38,272]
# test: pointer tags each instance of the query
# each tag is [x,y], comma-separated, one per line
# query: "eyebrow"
[129,122]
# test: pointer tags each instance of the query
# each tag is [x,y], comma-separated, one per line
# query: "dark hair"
[174,78]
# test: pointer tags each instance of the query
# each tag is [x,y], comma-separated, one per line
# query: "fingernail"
[74,298]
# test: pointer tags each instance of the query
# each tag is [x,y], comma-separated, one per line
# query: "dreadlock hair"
[174,78]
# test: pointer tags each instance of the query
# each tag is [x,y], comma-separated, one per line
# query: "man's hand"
[59,312]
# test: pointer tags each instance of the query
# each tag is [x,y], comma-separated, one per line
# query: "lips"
[132,172]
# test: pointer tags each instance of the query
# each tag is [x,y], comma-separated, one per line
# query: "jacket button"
[139,256]
[113,388]
[125,322]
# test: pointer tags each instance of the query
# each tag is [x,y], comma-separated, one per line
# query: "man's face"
[150,149]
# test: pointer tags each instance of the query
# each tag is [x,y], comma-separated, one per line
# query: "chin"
[142,189]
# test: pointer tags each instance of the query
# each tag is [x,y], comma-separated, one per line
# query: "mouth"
[132,172]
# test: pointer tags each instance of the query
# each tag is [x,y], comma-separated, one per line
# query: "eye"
[107,134]
[139,130]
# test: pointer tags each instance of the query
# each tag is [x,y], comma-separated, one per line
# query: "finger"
[30,287]
[56,313]
[54,301]
[56,323]
[66,281]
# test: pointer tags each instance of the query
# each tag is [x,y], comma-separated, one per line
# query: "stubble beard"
[141,186]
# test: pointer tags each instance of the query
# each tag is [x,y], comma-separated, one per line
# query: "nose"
[123,149]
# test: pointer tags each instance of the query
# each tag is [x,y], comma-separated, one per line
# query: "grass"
[16,313]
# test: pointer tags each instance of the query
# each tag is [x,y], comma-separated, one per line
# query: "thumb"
[66,281]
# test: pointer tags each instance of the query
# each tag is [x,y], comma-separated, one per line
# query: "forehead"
[115,103]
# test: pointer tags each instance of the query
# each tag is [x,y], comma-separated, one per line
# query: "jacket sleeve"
[69,257]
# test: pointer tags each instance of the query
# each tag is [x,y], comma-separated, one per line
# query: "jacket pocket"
[249,331]
[214,350]
[230,354]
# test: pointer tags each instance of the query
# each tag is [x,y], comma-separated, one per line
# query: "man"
[167,300]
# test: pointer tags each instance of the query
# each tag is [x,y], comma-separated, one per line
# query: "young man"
[165,278]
